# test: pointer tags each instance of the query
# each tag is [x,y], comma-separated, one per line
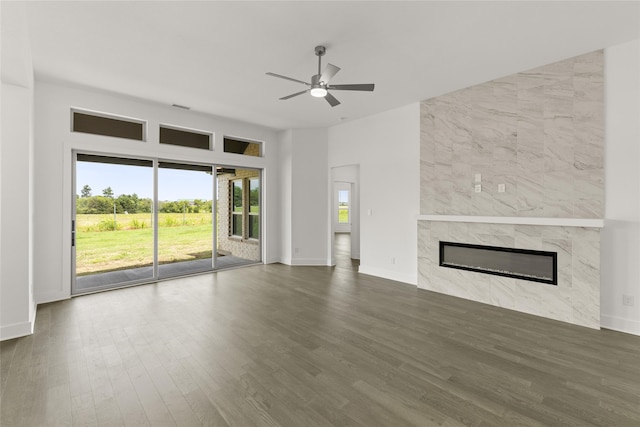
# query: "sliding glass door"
[112,237]
[185,218]
[139,220]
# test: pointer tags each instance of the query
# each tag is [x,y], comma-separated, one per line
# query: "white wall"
[17,305]
[387,148]
[309,197]
[286,155]
[54,143]
[620,245]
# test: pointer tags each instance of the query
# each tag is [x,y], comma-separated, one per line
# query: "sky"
[173,184]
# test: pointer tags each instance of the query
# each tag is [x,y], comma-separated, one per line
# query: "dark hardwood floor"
[342,252]
[310,346]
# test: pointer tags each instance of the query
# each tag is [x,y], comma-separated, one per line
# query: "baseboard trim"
[18,330]
[308,261]
[51,297]
[620,324]
[388,274]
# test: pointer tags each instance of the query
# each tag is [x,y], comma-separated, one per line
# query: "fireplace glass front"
[536,266]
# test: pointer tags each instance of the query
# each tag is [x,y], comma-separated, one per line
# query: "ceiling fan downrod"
[320,51]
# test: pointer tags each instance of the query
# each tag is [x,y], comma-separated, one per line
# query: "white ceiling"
[212,56]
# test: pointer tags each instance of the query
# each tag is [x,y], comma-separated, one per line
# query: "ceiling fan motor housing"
[320,50]
[315,81]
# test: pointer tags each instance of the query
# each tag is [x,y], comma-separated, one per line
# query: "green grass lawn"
[343,214]
[180,238]
[104,222]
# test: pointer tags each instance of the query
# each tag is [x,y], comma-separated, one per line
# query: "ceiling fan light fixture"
[318,92]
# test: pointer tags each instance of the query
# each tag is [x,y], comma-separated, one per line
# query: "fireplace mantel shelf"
[561,222]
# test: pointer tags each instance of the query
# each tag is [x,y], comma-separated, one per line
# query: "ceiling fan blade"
[366,87]
[287,78]
[331,99]
[295,94]
[329,71]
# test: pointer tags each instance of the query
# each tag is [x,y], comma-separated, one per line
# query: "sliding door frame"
[74,288]
[155,207]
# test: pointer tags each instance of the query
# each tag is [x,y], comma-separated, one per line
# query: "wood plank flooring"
[342,252]
[310,346]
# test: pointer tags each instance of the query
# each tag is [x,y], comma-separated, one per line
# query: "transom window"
[185,137]
[239,146]
[107,125]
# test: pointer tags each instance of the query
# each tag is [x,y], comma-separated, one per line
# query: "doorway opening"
[345,217]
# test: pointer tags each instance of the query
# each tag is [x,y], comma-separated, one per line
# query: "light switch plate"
[478,178]
[501,188]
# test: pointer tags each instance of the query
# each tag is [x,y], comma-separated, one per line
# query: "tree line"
[131,203]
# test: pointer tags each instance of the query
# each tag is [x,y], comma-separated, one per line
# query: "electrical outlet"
[501,188]
[627,300]
[478,188]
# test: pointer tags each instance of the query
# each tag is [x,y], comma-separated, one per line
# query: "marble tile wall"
[576,298]
[539,132]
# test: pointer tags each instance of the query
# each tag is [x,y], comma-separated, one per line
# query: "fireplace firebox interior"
[536,266]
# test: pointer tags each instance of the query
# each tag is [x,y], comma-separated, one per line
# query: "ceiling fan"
[319,86]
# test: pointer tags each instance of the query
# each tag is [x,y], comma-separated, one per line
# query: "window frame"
[246,214]
[348,205]
[253,214]
[233,214]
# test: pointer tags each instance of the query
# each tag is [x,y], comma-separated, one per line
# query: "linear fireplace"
[536,266]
